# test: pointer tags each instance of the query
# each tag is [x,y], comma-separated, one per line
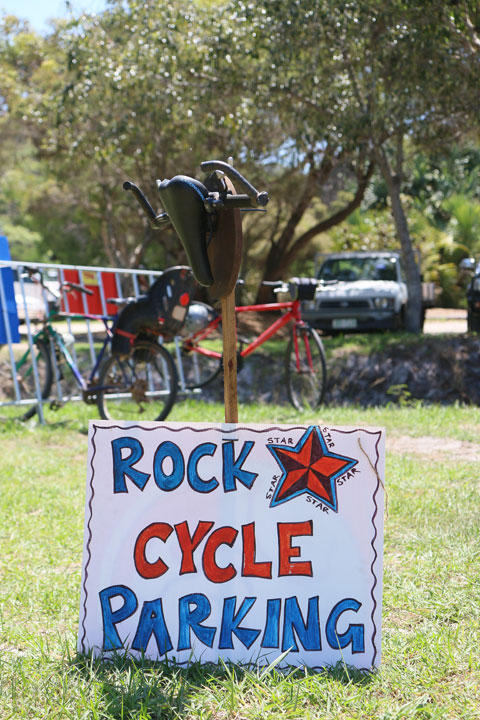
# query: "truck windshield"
[359,268]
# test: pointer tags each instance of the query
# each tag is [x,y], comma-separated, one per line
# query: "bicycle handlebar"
[300,288]
[67,285]
[156,220]
[36,275]
[252,197]
[283,283]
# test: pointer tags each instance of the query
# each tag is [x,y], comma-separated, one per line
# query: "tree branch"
[334,219]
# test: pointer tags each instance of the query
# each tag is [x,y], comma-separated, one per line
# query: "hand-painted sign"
[208,541]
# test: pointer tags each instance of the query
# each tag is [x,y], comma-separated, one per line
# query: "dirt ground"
[445,320]
[438,320]
[439,447]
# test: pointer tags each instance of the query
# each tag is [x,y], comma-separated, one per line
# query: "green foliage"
[23,243]
[433,180]
[365,230]
[303,95]
[464,223]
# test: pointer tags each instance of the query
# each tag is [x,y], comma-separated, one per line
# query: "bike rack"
[127,284]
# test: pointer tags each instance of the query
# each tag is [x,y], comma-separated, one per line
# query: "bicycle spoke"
[305,369]
[141,387]
[200,368]
[25,381]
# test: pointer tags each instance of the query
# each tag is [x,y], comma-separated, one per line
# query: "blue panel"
[7,277]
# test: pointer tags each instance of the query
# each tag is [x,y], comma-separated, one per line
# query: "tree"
[119,104]
[360,78]
[402,65]
[314,183]
[21,176]
[308,96]
[122,114]
[124,108]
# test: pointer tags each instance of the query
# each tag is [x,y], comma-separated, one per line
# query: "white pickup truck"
[363,291]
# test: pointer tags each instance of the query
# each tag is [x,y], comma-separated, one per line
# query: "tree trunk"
[275,261]
[413,314]
[283,253]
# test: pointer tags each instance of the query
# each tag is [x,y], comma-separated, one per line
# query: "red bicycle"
[305,364]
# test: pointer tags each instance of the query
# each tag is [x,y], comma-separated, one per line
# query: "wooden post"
[229,332]
[225,255]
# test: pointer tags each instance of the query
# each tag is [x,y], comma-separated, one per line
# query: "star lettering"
[310,468]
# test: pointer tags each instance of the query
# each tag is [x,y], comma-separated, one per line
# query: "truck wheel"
[423,313]
[473,322]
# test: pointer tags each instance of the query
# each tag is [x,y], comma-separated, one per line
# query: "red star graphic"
[309,468]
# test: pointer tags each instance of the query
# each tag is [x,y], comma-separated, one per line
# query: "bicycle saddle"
[183,200]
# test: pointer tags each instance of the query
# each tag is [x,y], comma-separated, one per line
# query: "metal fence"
[82,319]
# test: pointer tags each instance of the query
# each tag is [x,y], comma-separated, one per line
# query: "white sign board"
[223,541]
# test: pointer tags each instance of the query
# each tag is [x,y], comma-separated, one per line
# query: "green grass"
[431,621]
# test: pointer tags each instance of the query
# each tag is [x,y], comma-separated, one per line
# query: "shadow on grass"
[129,688]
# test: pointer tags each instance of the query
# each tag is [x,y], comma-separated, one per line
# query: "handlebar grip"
[157,221]
[237,201]
[255,198]
[30,270]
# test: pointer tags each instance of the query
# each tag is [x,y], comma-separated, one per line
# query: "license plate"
[344,323]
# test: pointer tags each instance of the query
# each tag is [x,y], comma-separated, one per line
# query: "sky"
[38,12]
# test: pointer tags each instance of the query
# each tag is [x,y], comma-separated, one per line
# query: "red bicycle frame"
[293,315]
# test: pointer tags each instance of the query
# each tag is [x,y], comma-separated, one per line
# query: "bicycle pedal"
[56,405]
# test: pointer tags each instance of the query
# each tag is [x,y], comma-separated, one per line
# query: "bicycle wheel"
[26,377]
[142,386]
[200,369]
[306,369]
